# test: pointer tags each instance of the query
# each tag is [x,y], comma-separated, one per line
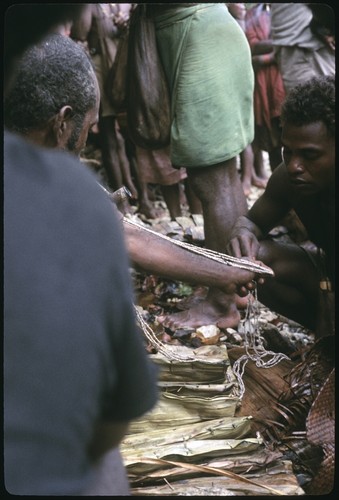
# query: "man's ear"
[62,125]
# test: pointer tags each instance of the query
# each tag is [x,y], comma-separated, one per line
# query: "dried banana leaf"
[260,461]
[193,431]
[165,416]
[171,411]
[204,364]
[198,389]
[224,428]
[284,483]
[205,407]
[190,451]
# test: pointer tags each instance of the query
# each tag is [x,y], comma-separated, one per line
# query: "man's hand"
[243,290]
[243,240]
[243,243]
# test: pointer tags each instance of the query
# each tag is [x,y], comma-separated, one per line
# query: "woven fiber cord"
[253,339]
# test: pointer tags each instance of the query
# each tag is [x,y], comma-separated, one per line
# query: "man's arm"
[151,253]
[265,214]
[82,25]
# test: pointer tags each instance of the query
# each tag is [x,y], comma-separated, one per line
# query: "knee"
[266,254]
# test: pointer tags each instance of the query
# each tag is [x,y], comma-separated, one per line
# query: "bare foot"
[217,309]
[147,209]
[196,297]
[132,189]
[241,302]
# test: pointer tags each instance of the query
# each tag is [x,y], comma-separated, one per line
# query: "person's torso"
[59,324]
[318,216]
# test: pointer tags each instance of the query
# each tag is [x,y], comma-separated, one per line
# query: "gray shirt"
[73,355]
[290,26]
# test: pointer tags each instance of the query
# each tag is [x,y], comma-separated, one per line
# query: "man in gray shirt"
[301,51]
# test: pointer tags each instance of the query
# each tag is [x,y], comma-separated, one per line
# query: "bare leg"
[114,157]
[125,165]
[247,168]
[220,191]
[109,149]
[145,204]
[293,292]
[259,178]
[193,201]
[171,196]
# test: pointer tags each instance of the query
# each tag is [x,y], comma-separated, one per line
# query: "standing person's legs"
[212,103]
[108,139]
[193,201]
[247,168]
[220,191]
[114,159]
[109,151]
[117,170]
[171,194]
[125,165]
[259,178]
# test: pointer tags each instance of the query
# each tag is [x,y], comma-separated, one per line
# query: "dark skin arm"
[262,53]
[262,50]
[155,255]
[260,61]
[264,215]
[82,25]
[262,47]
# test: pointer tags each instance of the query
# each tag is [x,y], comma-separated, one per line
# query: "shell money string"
[253,343]
[211,254]
[123,193]
[157,344]
[254,347]
[253,340]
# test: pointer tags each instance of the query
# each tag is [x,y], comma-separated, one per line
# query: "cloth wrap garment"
[207,62]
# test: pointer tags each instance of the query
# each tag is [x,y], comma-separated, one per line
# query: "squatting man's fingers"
[250,286]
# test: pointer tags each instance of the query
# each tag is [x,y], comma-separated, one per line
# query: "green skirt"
[207,62]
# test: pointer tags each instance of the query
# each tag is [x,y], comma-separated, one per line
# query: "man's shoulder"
[17,149]
[43,164]
[53,174]
[279,176]
[279,187]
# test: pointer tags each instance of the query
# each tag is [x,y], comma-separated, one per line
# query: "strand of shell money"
[156,343]
[254,341]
